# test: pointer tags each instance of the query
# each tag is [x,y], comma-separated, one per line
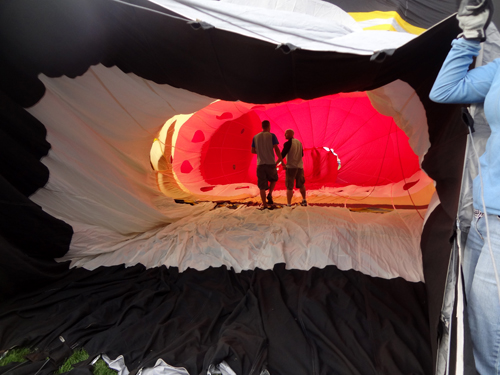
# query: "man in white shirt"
[294,152]
[263,144]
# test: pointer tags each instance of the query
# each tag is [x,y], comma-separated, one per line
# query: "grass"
[15,355]
[100,367]
[77,356]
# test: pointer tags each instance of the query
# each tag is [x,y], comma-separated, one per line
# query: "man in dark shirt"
[294,167]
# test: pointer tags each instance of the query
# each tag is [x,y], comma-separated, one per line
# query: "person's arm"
[277,149]
[455,83]
[286,148]
[254,150]
[278,154]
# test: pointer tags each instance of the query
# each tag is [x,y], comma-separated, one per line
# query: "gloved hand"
[474,16]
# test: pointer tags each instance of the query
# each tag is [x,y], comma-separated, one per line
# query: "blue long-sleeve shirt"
[457,84]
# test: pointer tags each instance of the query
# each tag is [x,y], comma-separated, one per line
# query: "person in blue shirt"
[265,145]
[457,84]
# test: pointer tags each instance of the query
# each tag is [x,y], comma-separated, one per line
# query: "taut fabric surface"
[385,245]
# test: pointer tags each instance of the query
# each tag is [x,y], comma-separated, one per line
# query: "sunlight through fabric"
[351,151]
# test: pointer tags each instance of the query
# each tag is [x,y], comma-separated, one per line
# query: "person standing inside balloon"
[293,151]
[265,145]
[457,84]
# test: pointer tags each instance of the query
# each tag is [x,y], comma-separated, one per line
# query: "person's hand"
[474,16]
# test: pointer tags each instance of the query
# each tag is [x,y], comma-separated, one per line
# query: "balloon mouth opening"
[353,154]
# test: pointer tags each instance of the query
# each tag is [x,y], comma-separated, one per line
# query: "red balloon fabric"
[213,147]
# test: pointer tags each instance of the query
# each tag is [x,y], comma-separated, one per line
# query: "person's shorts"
[294,174]
[266,173]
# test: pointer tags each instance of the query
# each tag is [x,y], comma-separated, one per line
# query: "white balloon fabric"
[306,24]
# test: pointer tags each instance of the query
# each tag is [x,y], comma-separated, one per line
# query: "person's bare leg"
[263,197]
[271,188]
[303,192]
[289,196]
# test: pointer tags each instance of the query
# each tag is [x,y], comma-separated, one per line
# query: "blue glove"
[474,16]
